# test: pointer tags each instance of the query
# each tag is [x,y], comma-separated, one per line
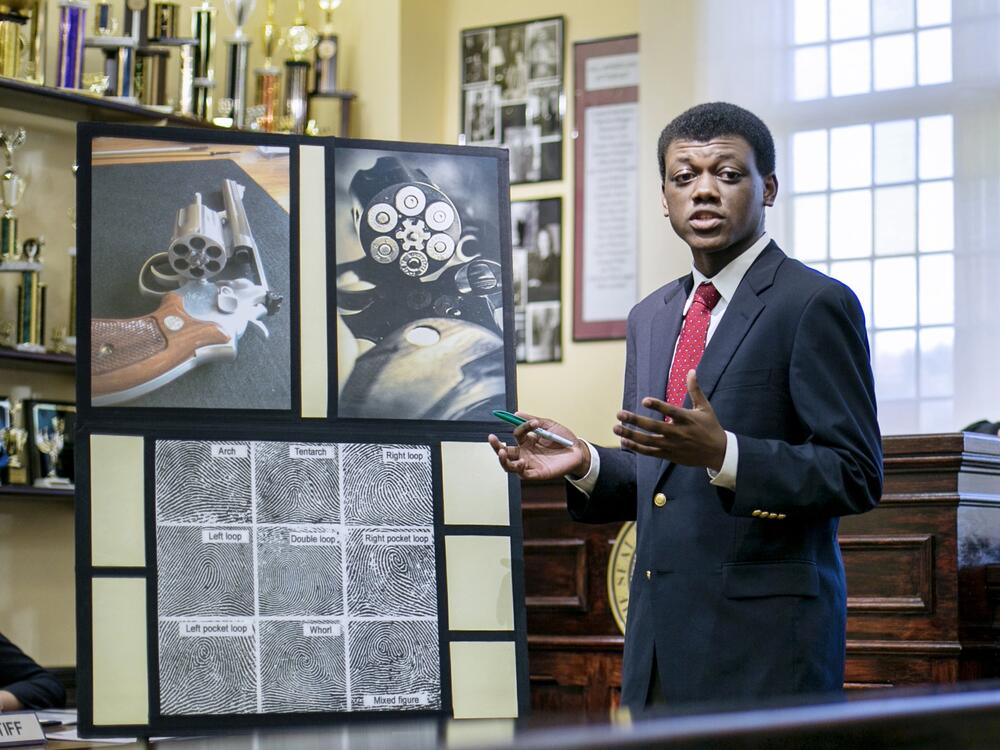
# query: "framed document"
[606,193]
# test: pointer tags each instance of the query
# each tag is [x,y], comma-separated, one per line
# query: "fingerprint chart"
[295,577]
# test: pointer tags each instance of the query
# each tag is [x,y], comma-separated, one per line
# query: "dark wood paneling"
[923,577]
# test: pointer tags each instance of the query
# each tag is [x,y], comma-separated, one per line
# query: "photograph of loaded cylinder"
[189,267]
[419,288]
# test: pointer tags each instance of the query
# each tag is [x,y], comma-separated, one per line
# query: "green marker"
[515,420]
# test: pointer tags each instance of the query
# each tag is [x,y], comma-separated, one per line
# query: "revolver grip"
[131,353]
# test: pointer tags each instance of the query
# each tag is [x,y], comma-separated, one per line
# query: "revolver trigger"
[261,327]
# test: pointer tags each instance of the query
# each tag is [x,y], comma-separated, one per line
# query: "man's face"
[714,195]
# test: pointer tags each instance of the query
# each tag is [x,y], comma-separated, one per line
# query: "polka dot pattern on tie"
[691,343]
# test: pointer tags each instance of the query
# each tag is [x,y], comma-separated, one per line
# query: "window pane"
[850,68]
[936,359]
[898,417]
[896,220]
[810,73]
[937,289]
[895,365]
[895,151]
[936,147]
[938,416]
[810,21]
[851,157]
[933,12]
[809,161]
[810,227]
[849,18]
[851,224]
[933,56]
[893,15]
[936,230]
[857,274]
[894,62]
[895,296]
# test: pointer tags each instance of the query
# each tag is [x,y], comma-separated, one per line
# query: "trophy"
[22,35]
[325,65]
[234,105]
[300,40]
[120,53]
[31,303]
[69,65]
[14,440]
[203,70]
[11,191]
[51,441]
[266,78]
[105,23]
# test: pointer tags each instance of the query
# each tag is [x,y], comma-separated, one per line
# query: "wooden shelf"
[14,359]
[65,104]
[21,491]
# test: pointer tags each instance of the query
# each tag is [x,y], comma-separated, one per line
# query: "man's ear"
[663,202]
[770,189]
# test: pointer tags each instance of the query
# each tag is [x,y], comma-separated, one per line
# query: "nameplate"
[20,729]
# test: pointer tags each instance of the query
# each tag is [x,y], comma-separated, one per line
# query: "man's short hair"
[704,122]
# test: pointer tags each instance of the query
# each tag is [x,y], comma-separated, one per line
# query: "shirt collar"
[728,279]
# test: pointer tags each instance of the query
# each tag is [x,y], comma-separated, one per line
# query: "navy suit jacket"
[741,593]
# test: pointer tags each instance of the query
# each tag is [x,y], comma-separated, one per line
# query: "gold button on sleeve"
[659,499]
[781,516]
[649,574]
[757,513]
[772,516]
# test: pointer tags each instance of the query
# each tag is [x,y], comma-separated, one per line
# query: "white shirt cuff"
[726,475]
[588,481]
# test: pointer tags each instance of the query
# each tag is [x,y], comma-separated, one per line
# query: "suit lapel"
[744,308]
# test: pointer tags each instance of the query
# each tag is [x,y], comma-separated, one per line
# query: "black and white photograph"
[51,426]
[303,665]
[395,665]
[481,115]
[419,285]
[391,573]
[387,485]
[296,592]
[476,56]
[206,668]
[297,483]
[544,44]
[524,109]
[536,229]
[190,260]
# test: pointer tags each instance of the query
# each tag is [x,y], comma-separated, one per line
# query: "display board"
[286,508]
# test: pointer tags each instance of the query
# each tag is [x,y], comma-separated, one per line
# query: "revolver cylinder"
[198,249]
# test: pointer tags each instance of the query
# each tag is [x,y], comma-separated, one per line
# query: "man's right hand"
[534,457]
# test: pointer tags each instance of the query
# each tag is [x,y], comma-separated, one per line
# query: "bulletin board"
[286,508]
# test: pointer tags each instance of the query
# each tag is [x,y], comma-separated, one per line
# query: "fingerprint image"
[302,665]
[299,571]
[206,675]
[296,483]
[392,658]
[192,486]
[387,485]
[204,578]
[386,578]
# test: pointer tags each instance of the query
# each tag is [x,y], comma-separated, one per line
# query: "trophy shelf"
[70,105]
[38,362]
[27,491]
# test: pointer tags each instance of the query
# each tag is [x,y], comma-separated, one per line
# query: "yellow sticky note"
[117,506]
[480,595]
[483,680]
[120,671]
[475,487]
[313,301]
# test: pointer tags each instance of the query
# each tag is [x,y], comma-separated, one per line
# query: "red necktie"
[691,343]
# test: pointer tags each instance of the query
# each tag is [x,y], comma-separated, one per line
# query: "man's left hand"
[692,437]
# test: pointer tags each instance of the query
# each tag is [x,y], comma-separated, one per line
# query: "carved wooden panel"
[889,573]
[555,574]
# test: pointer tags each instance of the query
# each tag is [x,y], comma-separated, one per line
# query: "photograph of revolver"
[212,287]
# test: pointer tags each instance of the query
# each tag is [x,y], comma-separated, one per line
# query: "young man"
[748,427]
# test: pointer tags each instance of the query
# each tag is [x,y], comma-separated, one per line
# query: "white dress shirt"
[726,282]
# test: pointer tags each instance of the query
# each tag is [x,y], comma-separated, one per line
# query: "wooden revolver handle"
[129,352]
